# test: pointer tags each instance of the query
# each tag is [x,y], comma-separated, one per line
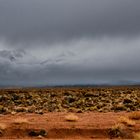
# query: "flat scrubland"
[70,113]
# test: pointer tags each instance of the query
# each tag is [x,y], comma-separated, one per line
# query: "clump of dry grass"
[71,118]
[135,116]
[21,120]
[20,123]
[137,136]
[116,131]
[2,128]
[126,121]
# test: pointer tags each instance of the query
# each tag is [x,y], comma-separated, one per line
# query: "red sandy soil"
[90,125]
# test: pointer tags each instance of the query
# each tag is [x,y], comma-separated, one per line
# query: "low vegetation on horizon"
[38,101]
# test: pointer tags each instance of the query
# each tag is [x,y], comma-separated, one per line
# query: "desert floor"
[70,113]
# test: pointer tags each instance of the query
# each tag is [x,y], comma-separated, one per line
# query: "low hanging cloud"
[83,62]
[69,42]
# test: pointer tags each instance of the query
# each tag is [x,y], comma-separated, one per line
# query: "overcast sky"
[45,42]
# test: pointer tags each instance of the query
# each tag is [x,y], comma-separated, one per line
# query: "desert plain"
[70,113]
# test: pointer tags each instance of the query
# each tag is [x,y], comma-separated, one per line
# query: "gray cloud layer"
[49,21]
[69,42]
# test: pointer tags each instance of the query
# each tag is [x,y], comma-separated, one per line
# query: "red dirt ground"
[90,125]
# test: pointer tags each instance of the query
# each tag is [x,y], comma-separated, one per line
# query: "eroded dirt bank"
[55,126]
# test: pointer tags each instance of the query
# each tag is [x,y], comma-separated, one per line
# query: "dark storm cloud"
[69,41]
[50,21]
[84,61]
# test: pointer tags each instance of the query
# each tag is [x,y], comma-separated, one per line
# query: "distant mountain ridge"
[130,83]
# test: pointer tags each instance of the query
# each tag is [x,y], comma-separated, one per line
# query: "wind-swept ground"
[70,113]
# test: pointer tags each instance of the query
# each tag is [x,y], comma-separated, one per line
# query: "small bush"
[126,121]
[41,132]
[116,131]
